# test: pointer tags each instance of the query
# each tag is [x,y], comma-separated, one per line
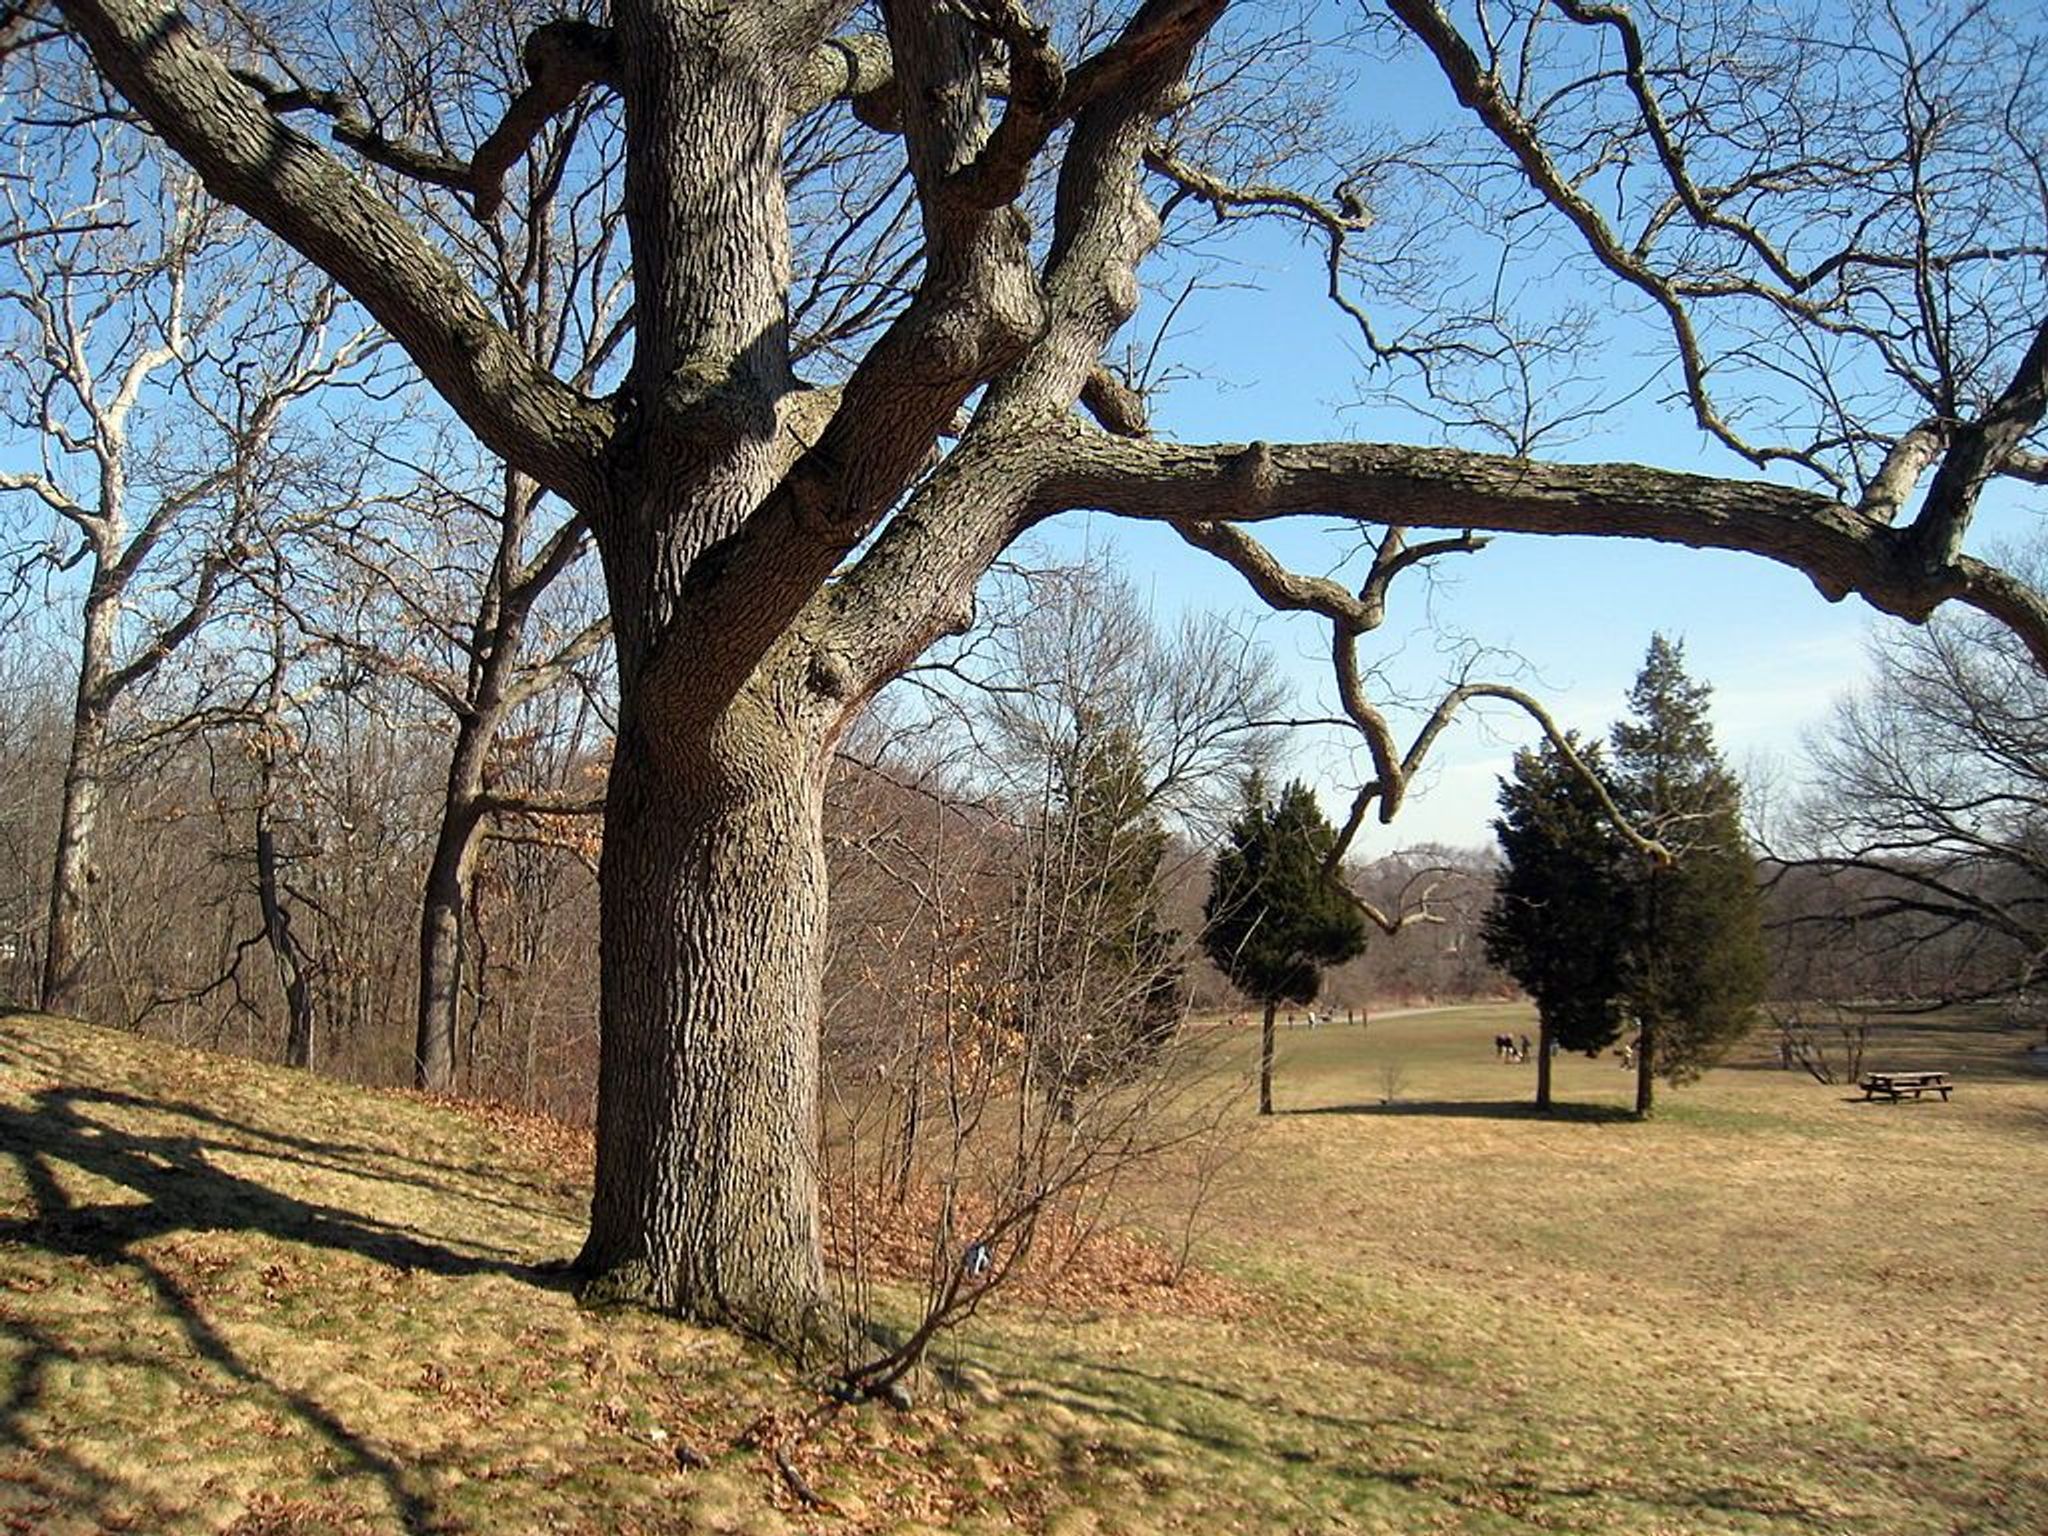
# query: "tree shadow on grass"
[1348,1454]
[1356,1451]
[384,1164]
[1479,1109]
[179,1186]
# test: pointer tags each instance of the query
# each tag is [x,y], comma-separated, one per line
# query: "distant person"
[1522,1049]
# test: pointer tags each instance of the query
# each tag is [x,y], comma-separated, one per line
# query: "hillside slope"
[234,1298]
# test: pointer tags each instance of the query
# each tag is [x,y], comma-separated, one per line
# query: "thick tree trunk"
[1266,1061]
[1543,1068]
[713,925]
[67,941]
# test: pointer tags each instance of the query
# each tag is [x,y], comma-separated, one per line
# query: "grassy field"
[232,1299]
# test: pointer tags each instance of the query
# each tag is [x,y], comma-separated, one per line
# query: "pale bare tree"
[154,373]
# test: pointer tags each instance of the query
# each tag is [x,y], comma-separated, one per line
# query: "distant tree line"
[1916,872]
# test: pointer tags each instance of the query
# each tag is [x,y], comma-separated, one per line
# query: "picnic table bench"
[1898,1084]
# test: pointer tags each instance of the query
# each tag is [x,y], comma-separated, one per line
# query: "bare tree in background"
[1113,745]
[1924,846]
[996,1062]
[1003,1035]
[468,595]
[778,547]
[298,800]
[156,371]
[1442,959]
[470,566]
[1067,655]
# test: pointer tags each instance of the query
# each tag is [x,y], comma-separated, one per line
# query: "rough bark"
[1542,1068]
[713,893]
[712,877]
[1833,544]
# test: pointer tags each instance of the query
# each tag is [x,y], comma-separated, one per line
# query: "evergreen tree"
[1273,920]
[1559,921]
[1107,845]
[1696,963]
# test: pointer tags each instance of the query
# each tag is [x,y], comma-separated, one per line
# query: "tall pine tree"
[1273,920]
[1560,918]
[1696,964]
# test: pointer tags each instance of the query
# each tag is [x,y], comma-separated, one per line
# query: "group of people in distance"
[1516,1048]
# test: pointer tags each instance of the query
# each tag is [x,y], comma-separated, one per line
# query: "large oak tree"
[778,544]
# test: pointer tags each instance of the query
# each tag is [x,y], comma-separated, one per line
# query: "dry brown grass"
[234,1299]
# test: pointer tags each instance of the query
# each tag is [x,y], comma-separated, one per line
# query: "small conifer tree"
[1107,847]
[1273,919]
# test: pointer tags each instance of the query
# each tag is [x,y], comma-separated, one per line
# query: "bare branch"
[1978,451]
[221,126]
[53,497]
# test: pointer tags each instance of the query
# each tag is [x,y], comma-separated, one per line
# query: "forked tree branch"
[1350,617]
[168,71]
[1976,452]
[911,585]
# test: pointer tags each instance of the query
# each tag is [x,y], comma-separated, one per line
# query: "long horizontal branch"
[1834,546]
[52,496]
[496,802]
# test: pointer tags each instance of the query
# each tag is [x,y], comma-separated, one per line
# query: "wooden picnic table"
[1896,1085]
